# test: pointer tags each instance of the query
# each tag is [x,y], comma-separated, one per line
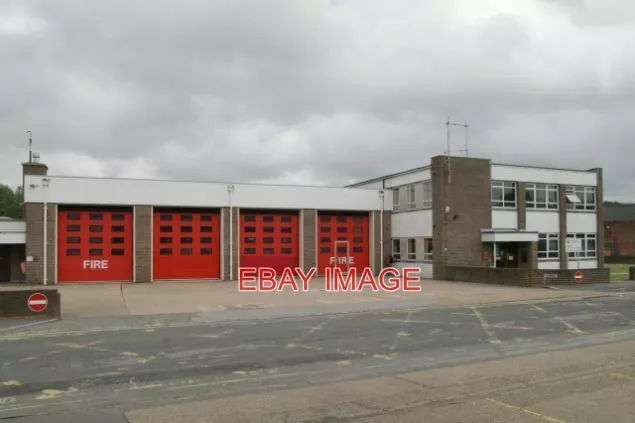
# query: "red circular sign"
[578,276]
[37,302]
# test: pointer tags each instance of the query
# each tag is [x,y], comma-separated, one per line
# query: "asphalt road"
[98,374]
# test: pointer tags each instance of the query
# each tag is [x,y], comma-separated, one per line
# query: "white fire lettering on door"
[95,264]
[342,260]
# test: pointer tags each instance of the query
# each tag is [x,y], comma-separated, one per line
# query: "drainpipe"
[230,190]
[381,229]
[45,184]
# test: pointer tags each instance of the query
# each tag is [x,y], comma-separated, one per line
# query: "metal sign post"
[574,245]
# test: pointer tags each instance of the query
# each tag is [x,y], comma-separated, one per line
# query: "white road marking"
[26,325]
[11,383]
[492,338]
[569,326]
[302,346]
[535,307]
[319,327]
[149,386]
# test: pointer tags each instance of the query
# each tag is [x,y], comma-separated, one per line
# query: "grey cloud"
[319,92]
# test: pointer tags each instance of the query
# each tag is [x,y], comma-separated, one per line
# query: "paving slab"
[583,385]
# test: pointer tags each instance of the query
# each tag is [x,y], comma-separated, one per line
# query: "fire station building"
[470,219]
[133,230]
[458,218]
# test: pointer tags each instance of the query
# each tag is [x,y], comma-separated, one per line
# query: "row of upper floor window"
[417,195]
[543,196]
[538,196]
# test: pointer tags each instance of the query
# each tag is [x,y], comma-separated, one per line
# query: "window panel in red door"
[186,245]
[269,240]
[352,229]
[94,246]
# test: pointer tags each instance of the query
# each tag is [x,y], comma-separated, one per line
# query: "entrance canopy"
[508,235]
[12,231]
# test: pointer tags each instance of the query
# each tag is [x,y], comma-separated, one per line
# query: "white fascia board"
[509,236]
[110,191]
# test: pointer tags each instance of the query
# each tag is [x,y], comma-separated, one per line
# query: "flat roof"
[420,168]
[391,175]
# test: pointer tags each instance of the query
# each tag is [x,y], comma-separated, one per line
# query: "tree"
[10,201]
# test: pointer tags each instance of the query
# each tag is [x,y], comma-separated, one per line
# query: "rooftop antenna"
[464,125]
[30,145]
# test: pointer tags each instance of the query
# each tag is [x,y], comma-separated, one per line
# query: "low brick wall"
[524,277]
[14,304]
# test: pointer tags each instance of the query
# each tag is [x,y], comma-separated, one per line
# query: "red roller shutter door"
[343,241]
[186,244]
[269,239]
[95,245]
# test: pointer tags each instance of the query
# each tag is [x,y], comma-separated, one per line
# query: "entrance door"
[342,258]
[507,255]
[5,263]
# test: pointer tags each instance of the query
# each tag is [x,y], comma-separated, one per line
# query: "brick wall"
[619,238]
[34,242]
[309,242]
[524,277]
[465,186]
[143,243]
[521,212]
[226,249]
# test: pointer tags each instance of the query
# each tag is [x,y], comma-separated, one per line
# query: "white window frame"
[502,186]
[548,253]
[411,254]
[395,199]
[427,194]
[586,252]
[396,254]
[427,249]
[412,196]
[546,189]
[580,193]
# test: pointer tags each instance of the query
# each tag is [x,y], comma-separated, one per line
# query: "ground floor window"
[427,248]
[588,241]
[396,249]
[548,247]
[412,249]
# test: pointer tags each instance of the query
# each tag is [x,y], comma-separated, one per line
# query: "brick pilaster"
[235,239]
[464,186]
[143,243]
[309,241]
[33,213]
[521,212]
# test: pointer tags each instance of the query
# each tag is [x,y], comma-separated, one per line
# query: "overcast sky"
[315,92]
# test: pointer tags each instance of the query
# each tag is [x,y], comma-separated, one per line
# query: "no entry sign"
[37,302]
[577,276]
